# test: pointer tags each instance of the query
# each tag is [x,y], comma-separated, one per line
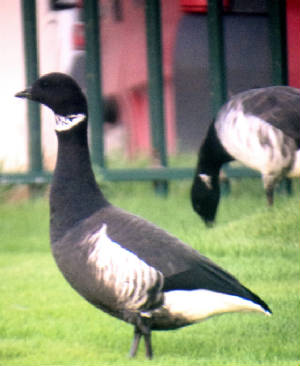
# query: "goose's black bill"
[24,94]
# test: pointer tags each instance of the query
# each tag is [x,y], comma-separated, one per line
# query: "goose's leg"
[148,345]
[145,329]
[136,341]
[270,195]
[269,181]
[142,328]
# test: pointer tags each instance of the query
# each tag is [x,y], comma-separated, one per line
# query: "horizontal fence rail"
[139,174]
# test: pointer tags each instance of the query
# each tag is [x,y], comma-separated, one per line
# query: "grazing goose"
[119,262]
[261,129]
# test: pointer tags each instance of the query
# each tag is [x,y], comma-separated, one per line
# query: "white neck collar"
[65,123]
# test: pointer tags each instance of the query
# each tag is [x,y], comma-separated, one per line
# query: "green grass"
[44,322]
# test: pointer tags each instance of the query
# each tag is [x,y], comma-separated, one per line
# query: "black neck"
[212,154]
[74,192]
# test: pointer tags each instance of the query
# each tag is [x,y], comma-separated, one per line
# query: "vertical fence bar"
[155,79]
[216,54]
[216,58]
[277,29]
[32,73]
[94,80]
[155,87]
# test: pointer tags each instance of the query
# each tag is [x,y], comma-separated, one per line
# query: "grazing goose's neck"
[205,192]
[212,155]
[74,193]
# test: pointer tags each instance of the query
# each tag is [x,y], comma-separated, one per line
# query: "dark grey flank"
[277,107]
[79,210]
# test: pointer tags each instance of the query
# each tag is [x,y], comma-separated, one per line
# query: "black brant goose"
[119,262]
[258,127]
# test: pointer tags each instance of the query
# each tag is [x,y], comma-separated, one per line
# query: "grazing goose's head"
[205,195]
[62,94]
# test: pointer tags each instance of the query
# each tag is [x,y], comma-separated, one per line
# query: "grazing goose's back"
[119,262]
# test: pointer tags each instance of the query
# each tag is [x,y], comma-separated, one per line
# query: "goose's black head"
[205,196]
[62,94]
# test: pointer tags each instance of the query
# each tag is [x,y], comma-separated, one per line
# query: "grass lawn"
[44,322]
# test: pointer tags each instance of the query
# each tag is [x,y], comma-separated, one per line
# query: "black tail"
[207,275]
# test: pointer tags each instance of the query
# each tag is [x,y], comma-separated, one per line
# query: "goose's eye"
[44,84]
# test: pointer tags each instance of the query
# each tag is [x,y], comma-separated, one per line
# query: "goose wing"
[278,106]
[183,267]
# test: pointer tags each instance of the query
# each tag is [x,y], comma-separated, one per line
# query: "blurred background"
[41,318]
[187,92]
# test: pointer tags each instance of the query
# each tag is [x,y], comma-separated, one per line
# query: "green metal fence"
[36,173]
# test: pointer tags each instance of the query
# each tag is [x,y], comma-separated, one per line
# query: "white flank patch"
[197,305]
[65,123]
[295,170]
[242,136]
[121,271]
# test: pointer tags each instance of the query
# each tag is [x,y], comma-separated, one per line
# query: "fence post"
[277,30]
[94,80]
[155,87]
[217,69]
[32,74]
[216,55]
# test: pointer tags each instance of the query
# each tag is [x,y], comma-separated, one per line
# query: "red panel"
[293,41]
[124,68]
[136,118]
[199,6]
